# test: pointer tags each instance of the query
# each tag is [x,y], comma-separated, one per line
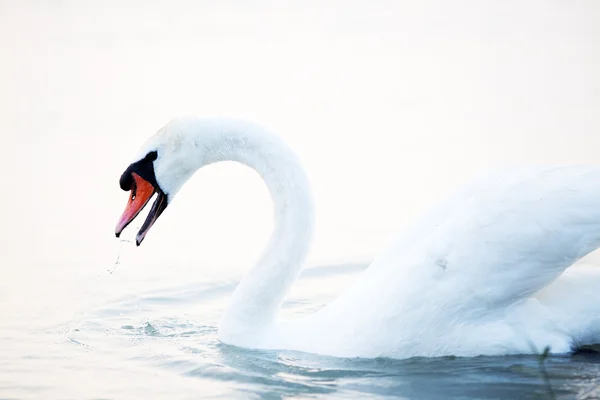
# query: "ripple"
[172,332]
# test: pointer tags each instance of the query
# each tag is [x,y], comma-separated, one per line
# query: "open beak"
[141,193]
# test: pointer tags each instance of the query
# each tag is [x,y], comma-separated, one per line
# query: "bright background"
[390,105]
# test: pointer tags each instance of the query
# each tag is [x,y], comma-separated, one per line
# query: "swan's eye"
[153,155]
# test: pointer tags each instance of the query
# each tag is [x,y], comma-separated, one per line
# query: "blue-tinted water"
[162,343]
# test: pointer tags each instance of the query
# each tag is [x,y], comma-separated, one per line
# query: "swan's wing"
[573,299]
[500,240]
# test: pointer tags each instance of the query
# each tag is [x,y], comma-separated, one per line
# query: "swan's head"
[163,164]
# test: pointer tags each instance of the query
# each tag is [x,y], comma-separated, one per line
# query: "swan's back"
[523,226]
[468,271]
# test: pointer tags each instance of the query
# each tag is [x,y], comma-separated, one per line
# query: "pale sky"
[389,104]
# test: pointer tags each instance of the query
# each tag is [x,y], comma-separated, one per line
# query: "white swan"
[478,275]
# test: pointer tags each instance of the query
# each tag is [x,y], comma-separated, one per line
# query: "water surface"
[162,342]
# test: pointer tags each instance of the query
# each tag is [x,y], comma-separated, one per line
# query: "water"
[161,342]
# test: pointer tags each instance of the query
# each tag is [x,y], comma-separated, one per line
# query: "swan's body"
[484,273]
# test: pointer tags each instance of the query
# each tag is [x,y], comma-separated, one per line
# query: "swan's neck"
[257,298]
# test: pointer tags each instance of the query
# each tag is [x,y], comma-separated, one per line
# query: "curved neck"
[257,298]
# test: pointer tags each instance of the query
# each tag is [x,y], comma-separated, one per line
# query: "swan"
[484,273]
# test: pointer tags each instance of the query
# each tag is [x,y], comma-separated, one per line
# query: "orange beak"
[141,192]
